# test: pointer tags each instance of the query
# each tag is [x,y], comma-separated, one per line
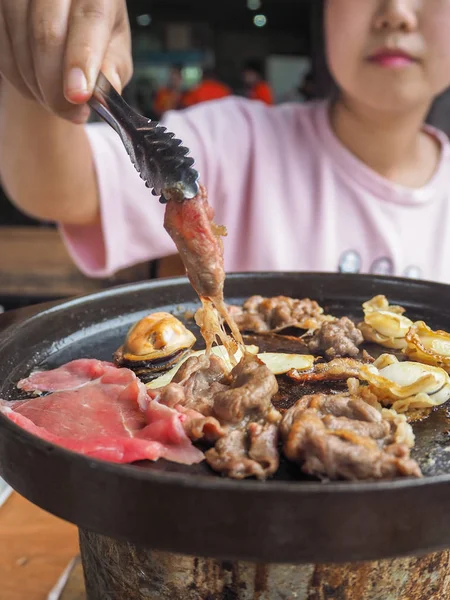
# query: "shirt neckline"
[356,169]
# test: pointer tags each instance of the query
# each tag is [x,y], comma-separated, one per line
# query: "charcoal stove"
[123,571]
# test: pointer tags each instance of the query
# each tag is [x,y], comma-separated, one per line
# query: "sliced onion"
[279,363]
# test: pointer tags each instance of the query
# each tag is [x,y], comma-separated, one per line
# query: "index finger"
[91,25]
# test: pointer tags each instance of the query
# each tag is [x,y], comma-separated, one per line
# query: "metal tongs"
[156,154]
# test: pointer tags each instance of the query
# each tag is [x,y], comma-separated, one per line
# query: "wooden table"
[37,265]
[35,548]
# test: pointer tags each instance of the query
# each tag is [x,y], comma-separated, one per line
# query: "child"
[357,185]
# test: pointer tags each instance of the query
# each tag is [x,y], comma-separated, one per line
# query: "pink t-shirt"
[292,197]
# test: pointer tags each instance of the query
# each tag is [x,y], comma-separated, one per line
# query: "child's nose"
[397,15]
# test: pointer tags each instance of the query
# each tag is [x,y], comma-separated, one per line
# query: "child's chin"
[393,100]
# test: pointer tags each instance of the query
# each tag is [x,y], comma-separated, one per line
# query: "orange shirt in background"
[205,91]
[166,99]
[262,91]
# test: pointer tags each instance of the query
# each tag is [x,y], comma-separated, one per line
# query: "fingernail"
[76,81]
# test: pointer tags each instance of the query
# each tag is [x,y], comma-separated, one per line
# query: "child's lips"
[392,59]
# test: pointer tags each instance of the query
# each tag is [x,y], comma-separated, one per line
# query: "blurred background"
[185,52]
[222,36]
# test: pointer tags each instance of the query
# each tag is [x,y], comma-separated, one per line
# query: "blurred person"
[170,96]
[210,88]
[304,92]
[356,184]
[255,85]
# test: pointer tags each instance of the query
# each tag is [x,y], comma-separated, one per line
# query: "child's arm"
[46,164]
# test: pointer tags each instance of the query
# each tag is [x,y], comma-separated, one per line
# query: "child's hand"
[52,50]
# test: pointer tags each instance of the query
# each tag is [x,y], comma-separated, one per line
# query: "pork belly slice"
[109,416]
